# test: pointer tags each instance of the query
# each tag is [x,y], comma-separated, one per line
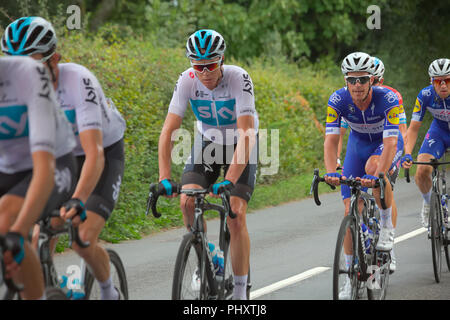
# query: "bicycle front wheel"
[346,265]
[118,276]
[436,235]
[189,279]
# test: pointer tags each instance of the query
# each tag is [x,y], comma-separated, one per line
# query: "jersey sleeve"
[392,115]
[401,110]
[87,107]
[42,106]
[344,124]
[180,97]
[419,109]
[333,121]
[243,91]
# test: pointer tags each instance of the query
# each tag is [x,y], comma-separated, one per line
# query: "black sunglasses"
[361,79]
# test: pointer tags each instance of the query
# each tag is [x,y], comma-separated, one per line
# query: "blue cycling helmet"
[29,35]
[210,41]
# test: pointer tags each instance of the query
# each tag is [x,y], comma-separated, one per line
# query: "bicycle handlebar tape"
[153,199]
[14,242]
[407,176]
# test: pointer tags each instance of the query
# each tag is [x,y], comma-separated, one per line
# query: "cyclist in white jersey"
[223,102]
[99,130]
[37,167]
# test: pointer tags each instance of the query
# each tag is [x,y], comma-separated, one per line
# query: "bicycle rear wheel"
[346,269]
[446,250]
[436,235]
[189,279]
[118,276]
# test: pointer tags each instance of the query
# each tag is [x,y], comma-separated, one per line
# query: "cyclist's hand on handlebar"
[169,187]
[14,254]
[406,161]
[216,189]
[74,209]
[333,178]
[368,180]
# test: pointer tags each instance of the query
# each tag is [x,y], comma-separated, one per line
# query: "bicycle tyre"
[436,235]
[190,244]
[446,250]
[348,223]
[116,262]
[52,293]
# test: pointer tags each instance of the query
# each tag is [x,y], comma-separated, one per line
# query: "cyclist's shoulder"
[394,90]
[71,70]
[385,97]
[339,97]
[426,93]
[14,66]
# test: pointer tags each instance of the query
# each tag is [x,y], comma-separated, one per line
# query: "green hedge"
[140,78]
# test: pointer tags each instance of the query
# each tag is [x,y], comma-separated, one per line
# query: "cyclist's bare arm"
[403,131]
[94,163]
[411,137]
[165,144]
[330,147]
[245,144]
[38,192]
[341,142]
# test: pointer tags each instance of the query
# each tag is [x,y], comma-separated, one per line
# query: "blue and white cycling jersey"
[437,139]
[379,121]
[428,99]
[216,110]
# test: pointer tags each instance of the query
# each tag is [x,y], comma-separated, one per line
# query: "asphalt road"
[292,248]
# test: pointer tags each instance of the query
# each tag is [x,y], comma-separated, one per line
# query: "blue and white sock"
[240,288]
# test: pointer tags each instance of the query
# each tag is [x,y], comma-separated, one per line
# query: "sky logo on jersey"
[392,116]
[417,106]
[331,115]
[13,122]
[224,113]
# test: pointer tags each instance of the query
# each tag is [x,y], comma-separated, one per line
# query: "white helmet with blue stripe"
[378,67]
[209,41]
[29,35]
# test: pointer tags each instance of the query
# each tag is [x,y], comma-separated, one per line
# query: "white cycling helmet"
[439,68]
[357,61]
[378,67]
[209,40]
[29,35]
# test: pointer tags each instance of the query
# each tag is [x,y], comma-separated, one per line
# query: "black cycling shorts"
[65,177]
[104,197]
[203,168]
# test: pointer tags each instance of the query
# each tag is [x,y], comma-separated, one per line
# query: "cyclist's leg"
[433,146]
[240,240]
[99,207]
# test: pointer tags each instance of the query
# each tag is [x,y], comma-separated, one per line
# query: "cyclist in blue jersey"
[223,102]
[378,73]
[375,142]
[434,98]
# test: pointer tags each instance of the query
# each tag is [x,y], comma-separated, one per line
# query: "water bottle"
[367,236]
[217,259]
[73,294]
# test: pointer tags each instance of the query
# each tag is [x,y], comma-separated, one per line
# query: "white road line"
[286,282]
[315,271]
[410,235]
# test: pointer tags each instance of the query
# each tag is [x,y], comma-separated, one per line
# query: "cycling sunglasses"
[208,66]
[438,82]
[361,79]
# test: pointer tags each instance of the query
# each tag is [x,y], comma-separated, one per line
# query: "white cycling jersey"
[216,110]
[30,119]
[83,101]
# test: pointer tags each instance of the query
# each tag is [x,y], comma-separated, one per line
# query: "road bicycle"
[438,228]
[59,290]
[368,267]
[195,275]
